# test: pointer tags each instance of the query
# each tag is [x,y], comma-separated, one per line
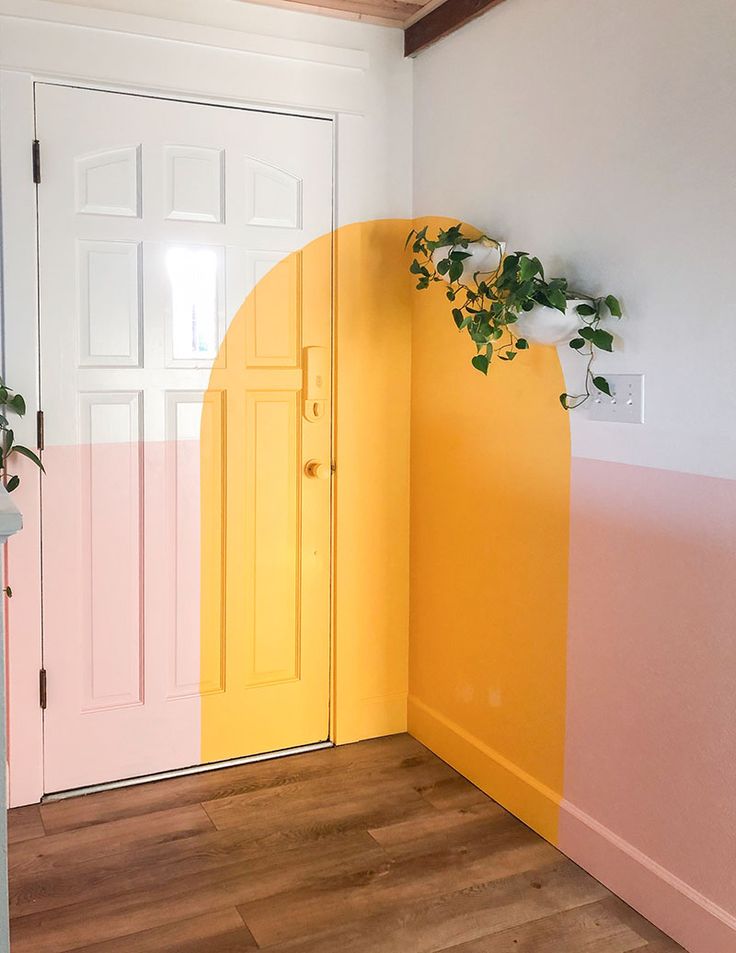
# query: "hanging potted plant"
[505,302]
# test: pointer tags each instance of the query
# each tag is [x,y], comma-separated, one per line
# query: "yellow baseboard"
[529,799]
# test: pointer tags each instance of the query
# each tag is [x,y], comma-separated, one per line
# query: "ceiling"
[399,13]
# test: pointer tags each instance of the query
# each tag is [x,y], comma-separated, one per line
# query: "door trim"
[19,216]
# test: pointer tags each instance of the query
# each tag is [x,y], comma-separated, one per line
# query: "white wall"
[601,135]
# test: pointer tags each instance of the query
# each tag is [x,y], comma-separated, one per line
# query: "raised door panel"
[109,303]
[111,518]
[273,196]
[109,182]
[194,183]
[273,553]
[191,672]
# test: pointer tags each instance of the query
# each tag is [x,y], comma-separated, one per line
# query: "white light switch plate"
[626,403]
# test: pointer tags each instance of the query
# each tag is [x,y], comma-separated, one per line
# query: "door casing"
[20,216]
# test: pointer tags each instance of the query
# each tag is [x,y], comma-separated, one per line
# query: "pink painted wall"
[651,706]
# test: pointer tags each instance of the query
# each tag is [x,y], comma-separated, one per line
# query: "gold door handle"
[316,470]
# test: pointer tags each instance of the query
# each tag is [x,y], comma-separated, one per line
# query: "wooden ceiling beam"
[441,21]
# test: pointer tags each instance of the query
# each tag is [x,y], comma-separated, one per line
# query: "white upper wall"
[602,137]
[228,50]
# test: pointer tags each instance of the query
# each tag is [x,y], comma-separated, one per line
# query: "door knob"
[317,470]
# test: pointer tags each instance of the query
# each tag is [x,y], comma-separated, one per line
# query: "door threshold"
[183,772]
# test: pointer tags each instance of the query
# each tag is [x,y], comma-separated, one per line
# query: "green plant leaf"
[458,317]
[443,266]
[556,297]
[602,339]
[507,356]
[18,404]
[577,343]
[602,384]
[586,333]
[564,401]
[12,483]
[460,255]
[585,310]
[480,363]
[522,344]
[456,270]
[8,592]
[25,452]
[613,306]
[8,438]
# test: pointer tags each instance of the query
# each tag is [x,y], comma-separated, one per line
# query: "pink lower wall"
[650,769]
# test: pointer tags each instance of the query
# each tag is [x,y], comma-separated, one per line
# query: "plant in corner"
[505,302]
[11,402]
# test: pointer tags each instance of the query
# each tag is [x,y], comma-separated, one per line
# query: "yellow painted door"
[267,459]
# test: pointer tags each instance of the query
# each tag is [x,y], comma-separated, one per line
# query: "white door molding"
[356,75]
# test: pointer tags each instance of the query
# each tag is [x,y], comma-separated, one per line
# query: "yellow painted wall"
[373,349]
[372,345]
[490,462]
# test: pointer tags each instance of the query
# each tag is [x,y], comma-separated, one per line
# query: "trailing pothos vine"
[488,304]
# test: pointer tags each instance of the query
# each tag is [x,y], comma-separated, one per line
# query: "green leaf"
[563,400]
[586,333]
[556,297]
[528,268]
[456,270]
[602,384]
[585,310]
[577,343]
[522,344]
[25,452]
[480,363]
[458,317]
[12,483]
[18,404]
[602,339]
[8,438]
[416,269]
[444,266]
[507,356]
[460,255]
[613,306]
[8,592]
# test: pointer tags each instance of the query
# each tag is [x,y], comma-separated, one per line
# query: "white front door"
[156,220]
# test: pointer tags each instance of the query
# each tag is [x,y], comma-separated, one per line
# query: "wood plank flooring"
[377,847]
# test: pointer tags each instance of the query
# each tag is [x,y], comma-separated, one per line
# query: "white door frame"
[21,283]
[347,72]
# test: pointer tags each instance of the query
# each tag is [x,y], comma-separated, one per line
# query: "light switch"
[626,403]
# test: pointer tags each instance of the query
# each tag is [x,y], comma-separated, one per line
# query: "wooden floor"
[377,847]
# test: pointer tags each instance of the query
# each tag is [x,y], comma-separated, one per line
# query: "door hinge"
[36,161]
[42,689]
[39,430]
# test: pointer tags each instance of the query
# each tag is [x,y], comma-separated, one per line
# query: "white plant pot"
[543,325]
[485,258]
